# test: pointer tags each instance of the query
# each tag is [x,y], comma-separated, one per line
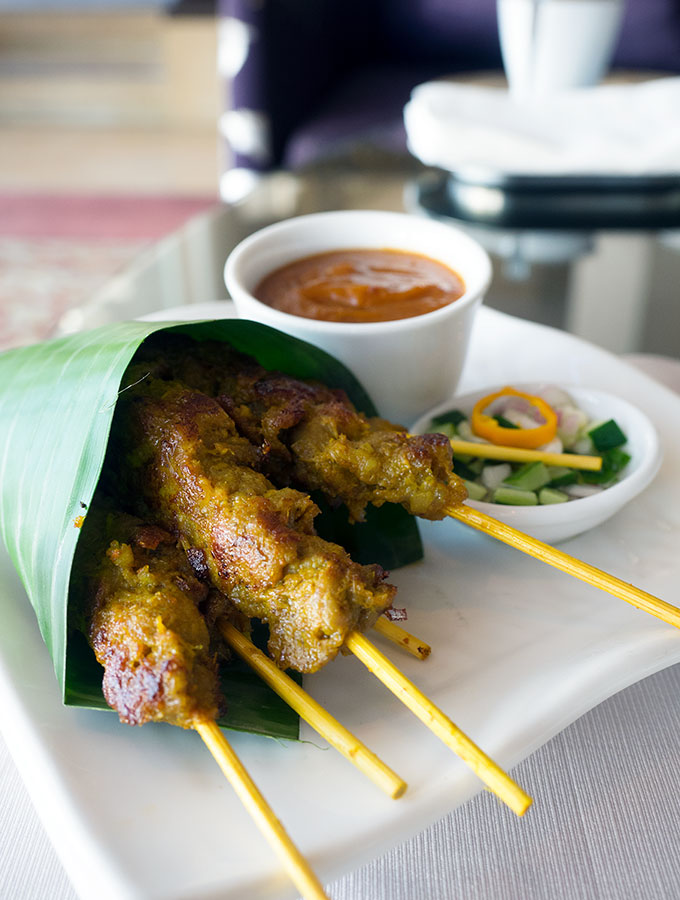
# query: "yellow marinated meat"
[371,463]
[181,462]
[147,629]
[312,436]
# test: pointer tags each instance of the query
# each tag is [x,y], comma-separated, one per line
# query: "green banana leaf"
[57,401]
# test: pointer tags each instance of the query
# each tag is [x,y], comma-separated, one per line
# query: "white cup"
[554,45]
[406,365]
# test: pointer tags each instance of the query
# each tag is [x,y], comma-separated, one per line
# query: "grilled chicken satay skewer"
[186,462]
[148,633]
[316,433]
[185,466]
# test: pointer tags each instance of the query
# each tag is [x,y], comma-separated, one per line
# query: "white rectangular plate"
[519,652]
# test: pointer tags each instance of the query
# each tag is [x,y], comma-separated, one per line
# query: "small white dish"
[406,365]
[559,521]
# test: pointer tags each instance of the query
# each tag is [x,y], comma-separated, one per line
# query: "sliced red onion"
[579,491]
[515,409]
[492,476]
[553,446]
[555,396]
[570,423]
[502,405]
[521,419]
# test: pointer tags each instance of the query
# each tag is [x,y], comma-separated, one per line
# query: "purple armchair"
[310,78]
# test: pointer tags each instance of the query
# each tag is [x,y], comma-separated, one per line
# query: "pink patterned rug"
[56,250]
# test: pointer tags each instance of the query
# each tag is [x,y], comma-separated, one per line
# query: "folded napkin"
[613,129]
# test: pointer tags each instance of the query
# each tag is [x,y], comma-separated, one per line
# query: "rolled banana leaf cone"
[57,401]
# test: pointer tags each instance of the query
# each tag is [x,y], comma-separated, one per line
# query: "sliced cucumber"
[534,483]
[616,458]
[613,461]
[511,496]
[453,417]
[607,435]
[473,463]
[561,476]
[548,495]
[475,491]
[529,477]
[447,428]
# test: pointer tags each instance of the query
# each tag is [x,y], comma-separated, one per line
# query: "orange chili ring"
[531,438]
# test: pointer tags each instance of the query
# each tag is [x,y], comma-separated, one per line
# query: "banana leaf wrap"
[57,401]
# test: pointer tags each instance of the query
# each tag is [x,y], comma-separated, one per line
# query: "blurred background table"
[615,287]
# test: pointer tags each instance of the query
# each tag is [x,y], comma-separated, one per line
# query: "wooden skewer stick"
[313,713]
[485,768]
[520,454]
[402,638]
[569,564]
[297,866]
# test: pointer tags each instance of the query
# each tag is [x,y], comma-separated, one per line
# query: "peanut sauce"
[361,286]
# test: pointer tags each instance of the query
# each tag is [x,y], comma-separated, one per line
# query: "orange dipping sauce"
[361,286]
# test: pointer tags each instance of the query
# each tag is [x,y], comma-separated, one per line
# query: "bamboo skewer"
[566,563]
[248,793]
[314,714]
[520,454]
[402,638]
[405,690]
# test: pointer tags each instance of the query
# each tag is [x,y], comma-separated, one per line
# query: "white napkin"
[614,129]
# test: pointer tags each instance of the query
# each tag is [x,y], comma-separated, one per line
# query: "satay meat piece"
[184,463]
[312,436]
[148,632]
[369,462]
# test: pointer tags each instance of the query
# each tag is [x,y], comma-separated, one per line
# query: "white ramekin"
[406,365]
